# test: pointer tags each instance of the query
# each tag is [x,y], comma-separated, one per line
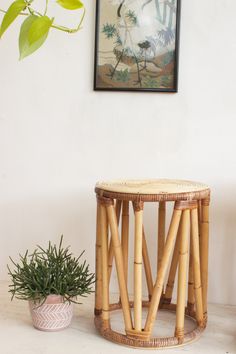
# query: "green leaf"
[13,11]
[39,28]
[70,4]
[26,48]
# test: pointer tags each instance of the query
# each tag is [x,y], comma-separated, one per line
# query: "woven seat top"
[153,189]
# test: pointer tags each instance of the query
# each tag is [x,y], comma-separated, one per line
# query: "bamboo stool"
[184,246]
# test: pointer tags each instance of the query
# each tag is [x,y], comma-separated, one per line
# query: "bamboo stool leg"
[199,215]
[191,298]
[182,276]
[105,284]
[173,269]
[119,264]
[147,267]
[161,232]
[98,283]
[158,287]
[111,252]
[204,245]
[196,267]
[138,209]
[125,236]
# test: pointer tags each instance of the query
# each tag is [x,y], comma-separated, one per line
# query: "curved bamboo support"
[125,236]
[119,265]
[204,245]
[182,276]
[161,232]
[196,267]
[147,266]
[138,212]
[158,287]
[105,284]
[135,340]
[111,252]
[98,283]
[173,269]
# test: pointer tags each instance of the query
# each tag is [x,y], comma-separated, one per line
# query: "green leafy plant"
[53,270]
[35,28]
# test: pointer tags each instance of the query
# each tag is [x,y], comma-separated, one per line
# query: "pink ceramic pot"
[53,315]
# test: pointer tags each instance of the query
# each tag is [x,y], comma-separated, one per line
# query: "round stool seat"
[153,189]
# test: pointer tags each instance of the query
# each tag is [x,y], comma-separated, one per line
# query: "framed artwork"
[137,45]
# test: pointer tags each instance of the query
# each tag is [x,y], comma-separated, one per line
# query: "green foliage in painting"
[166,80]
[158,82]
[132,17]
[150,82]
[118,40]
[35,28]
[122,75]
[109,30]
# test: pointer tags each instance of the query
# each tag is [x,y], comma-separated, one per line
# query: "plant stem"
[46,8]
[33,12]
[21,13]
[60,28]
[70,30]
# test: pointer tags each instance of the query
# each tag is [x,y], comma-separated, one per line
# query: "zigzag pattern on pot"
[51,317]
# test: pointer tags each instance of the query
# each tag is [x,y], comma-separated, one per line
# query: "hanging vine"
[36,26]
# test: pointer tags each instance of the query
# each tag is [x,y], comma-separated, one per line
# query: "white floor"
[17,336]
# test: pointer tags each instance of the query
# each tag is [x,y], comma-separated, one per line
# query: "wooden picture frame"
[137,45]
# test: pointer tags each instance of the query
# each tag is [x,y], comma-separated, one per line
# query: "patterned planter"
[53,315]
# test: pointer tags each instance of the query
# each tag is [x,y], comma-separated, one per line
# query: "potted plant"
[51,280]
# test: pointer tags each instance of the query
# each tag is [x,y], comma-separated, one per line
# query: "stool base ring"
[155,342]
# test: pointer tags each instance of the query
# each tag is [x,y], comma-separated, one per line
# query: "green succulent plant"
[53,270]
[36,26]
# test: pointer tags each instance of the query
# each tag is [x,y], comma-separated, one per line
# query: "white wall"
[58,137]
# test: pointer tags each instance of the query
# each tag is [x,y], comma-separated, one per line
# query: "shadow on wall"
[27,222]
[222,260]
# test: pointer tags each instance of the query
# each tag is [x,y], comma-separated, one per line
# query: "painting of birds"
[137,44]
